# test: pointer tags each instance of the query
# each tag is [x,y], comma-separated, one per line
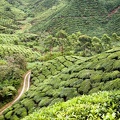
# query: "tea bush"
[102,105]
[50,84]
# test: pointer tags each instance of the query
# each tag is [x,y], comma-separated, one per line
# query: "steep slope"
[11,44]
[66,77]
[13,57]
[91,17]
[9,17]
[10,50]
[21,91]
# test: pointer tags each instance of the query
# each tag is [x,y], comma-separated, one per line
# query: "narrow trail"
[25,88]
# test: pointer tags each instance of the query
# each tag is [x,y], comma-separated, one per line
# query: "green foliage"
[8,115]
[10,50]
[74,16]
[1,117]
[84,87]
[62,73]
[7,39]
[44,102]
[115,84]
[21,112]
[29,104]
[9,16]
[14,117]
[102,105]
[68,93]
[65,77]
[11,74]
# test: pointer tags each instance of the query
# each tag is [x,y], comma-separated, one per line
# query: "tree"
[84,38]
[73,39]
[96,45]
[115,37]
[17,61]
[50,42]
[106,42]
[84,44]
[61,34]
[62,40]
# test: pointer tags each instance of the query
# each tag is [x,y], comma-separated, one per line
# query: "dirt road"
[24,89]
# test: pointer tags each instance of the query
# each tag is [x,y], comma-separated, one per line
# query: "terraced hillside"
[9,39]
[9,50]
[13,60]
[12,69]
[65,77]
[11,44]
[91,17]
[9,17]
[71,65]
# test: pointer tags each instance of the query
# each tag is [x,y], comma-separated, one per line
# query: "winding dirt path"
[25,88]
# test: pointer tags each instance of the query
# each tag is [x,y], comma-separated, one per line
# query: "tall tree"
[50,42]
[62,39]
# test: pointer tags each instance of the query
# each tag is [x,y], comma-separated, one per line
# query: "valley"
[67,52]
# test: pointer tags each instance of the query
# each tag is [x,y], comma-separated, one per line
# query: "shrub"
[28,103]
[21,112]
[1,117]
[85,74]
[44,102]
[38,97]
[67,93]
[97,106]
[96,77]
[8,115]
[14,117]
[54,101]
[112,85]
[116,65]
[85,86]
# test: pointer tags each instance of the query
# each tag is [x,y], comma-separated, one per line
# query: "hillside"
[75,15]
[72,15]
[66,77]
[10,17]
[13,63]
[92,107]
[71,47]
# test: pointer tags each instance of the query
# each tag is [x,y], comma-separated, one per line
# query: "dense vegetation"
[72,15]
[13,61]
[9,17]
[11,72]
[72,48]
[66,77]
[98,106]
[76,15]
[76,75]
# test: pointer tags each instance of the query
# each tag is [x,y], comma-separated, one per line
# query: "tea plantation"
[9,17]
[72,48]
[8,50]
[79,15]
[13,62]
[89,17]
[97,106]
[66,77]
